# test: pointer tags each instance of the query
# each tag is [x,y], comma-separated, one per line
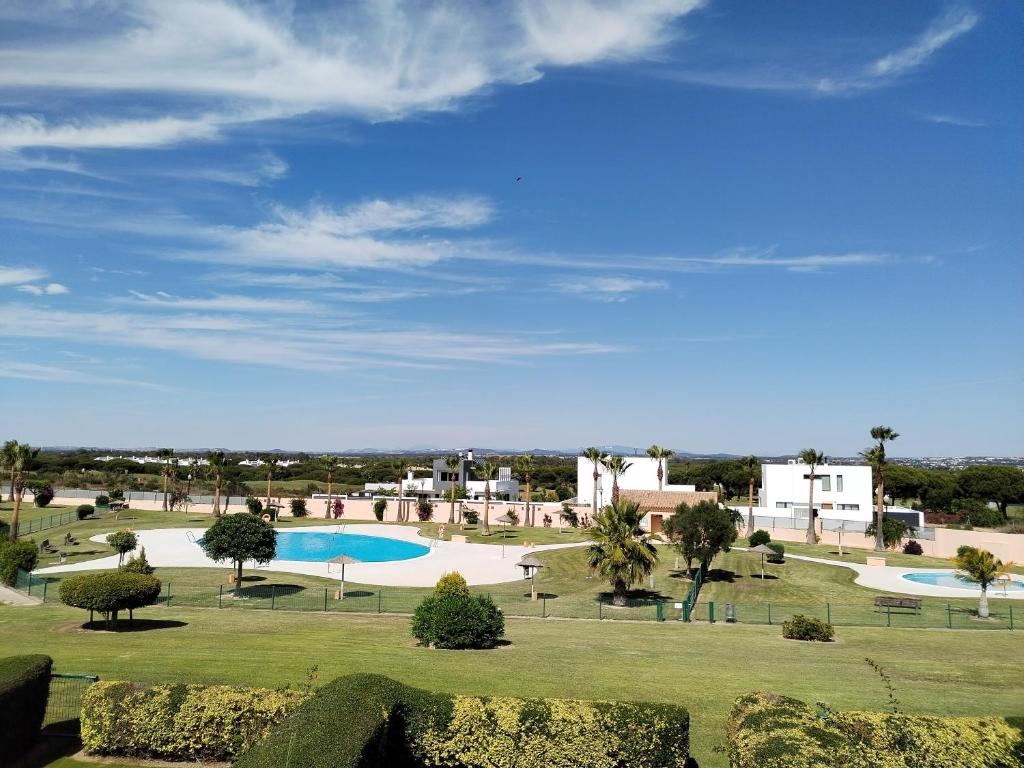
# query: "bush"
[977,513]
[254,505]
[770,731]
[103,500]
[942,518]
[24,689]
[84,511]
[893,531]
[453,618]
[379,507]
[759,537]
[779,550]
[5,530]
[180,722]
[43,496]
[470,515]
[424,510]
[117,495]
[138,564]
[368,720]
[912,548]
[122,542]
[298,507]
[14,556]
[802,627]
[110,593]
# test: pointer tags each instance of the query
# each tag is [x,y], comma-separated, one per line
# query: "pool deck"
[478,563]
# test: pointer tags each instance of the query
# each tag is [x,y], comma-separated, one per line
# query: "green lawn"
[29,511]
[699,666]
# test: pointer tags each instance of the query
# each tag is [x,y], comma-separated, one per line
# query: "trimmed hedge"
[180,722]
[770,731]
[17,555]
[24,689]
[365,720]
[110,592]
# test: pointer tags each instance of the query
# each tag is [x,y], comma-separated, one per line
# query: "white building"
[504,487]
[841,491]
[641,475]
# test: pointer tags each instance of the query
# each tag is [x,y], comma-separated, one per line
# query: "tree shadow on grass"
[358,593]
[138,625]
[766,577]
[48,750]
[254,577]
[545,595]
[722,575]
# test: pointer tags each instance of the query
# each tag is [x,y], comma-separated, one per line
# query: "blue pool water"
[319,547]
[951,579]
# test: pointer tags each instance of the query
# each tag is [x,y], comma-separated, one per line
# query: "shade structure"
[504,519]
[342,560]
[762,550]
[530,565]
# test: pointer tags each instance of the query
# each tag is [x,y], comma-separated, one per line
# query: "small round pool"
[952,579]
[319,547]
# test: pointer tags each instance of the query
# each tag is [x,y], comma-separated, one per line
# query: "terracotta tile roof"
[666,501]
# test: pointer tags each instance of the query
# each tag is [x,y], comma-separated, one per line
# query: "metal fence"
[64,705]
[37,524]
[32,585]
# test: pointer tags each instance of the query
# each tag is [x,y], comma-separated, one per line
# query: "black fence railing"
[64,706]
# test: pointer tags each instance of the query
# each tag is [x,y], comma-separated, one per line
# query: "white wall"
[642,475]
[786,484]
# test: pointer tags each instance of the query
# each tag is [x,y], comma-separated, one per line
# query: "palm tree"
[215,465]
[981,566]
[330,465]
[811,458]
[751,465]
[166,469]
[660,455]
[400,466]
[617,466]
[880,435]
[270,464]
[7,461]
[621,551]
[596,457]
[525,467]
[22,457]
[488,471]
[454,464]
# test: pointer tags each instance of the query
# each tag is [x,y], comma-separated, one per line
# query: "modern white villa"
[841,491]
[442,478]
[641,475]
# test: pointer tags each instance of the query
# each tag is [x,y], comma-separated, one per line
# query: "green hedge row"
[361,721]
[24,689]
[14,556]
[179,722]
[770,731]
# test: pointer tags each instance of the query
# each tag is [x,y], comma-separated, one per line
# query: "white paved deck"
[478,563]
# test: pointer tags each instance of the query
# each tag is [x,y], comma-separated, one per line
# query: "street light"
[188,492]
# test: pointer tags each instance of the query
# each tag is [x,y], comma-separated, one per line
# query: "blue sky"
[719,226]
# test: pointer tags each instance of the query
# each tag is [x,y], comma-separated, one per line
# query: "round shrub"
[802,627]
[103,500]
[453,618]
[912,548]
[759,537]
[14,556]
[138,564]
[84,511]
[298,507]
[379,507]
[43,496]
[470,515]
[779,550]
[451,584]
[254,505]
[122,542]
[110,592]
[424,510]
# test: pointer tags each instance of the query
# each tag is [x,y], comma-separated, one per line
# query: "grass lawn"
[698,666]
[29,511]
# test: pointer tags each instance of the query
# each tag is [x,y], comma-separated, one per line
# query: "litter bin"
[730,612]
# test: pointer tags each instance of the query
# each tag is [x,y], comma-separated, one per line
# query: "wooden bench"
[910,603]
[459,539]
[875,561]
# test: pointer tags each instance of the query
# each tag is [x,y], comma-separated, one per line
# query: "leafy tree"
[596,457]
[981,566]
[938,491]
[110,592]
[22,458]
[812,459]
[751,466]
[621,550]
[524,467]
[977,513]
[239,538]
[488,471]
[759,537]
[660,455]
[122,542]
[1003,485]
[875,456]
[892,534]
[254,505]
[616,466]
[699,532]
[299,507]
[167,470]
[217,463]
[42,495]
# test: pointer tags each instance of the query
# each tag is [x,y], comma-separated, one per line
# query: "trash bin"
[730,612]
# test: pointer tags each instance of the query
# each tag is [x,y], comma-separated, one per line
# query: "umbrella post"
[341,591]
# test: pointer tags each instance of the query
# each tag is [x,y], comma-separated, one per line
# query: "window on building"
[849,507]
[839,483]
[826,482]
[783,504]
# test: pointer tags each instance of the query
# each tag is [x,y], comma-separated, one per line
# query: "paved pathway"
[14,597]
[478,563]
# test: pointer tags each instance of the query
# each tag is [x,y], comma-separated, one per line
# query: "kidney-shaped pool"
[320,546]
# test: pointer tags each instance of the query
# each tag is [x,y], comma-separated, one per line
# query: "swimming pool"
[951,579]
[319,547]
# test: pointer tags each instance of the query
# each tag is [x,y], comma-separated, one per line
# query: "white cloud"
[238,62]
[941,32]
[50,289]
[220,303]
[19,275]
[606,288]
[947,119]
[254,173]
[13,369]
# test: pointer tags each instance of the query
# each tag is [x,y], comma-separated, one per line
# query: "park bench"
[47,547]
[909,603]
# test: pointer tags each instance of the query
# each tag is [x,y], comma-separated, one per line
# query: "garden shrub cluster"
[770,731]
[912,548]
[14,556]
[110,592]
[453,618]
[779,550]
[84,510]
[180,722]
[298,507]
[977,513]
[24,689]
[759,537]
[379,507]
[368,720]
[802,627]
[42,496]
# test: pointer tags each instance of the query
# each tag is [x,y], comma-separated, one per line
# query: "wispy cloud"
[606,288]
[219,303]
[13,369]
[941,32]
[19,275]
[254,172]
[948,119]
[244,63]
[50,289]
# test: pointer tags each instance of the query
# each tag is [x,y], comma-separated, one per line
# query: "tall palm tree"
[621,551]
[166,469]
[751,465]
[269,465]
[880,435]
[400,466]
[660,455]
[7,460]
[22,457]
[487,471]
[812,459]
[454,463]
[617,466]
[524,467]
[596,457]
[216,465]
[981,566]
[330,465]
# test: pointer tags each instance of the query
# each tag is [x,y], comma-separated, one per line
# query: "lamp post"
[188,492]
